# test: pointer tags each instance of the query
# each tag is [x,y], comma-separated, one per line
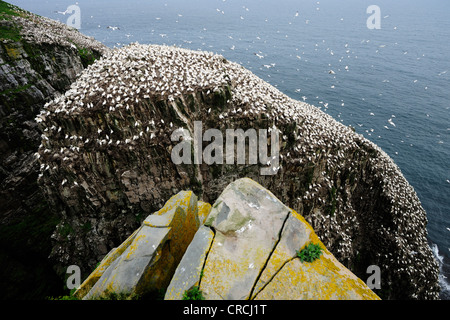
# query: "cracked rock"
[254,254]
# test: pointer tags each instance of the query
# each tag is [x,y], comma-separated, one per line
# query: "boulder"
[286,277]
[145,262]
[253,255]
[247,220]
[189,271]
[246,249]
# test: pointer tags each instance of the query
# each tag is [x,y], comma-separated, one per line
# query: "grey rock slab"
[188,272]
[295,234]
[125,273]
[247,219]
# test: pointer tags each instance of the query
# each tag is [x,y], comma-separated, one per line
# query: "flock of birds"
[42,30]
[333,71]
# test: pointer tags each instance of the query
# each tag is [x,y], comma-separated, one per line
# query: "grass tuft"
[310,253]
[193,293]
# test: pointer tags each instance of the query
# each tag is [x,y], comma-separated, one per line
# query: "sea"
[380,66]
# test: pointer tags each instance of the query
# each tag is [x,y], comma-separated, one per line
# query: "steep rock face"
[107,163]
[39,59]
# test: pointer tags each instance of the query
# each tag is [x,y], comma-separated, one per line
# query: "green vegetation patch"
[13,91]
[310,253]
[9,31]
[87,57]
[193,293]
[110,295]
[9,9]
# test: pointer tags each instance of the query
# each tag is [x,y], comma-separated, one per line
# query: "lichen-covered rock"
[246,250]
[323,279]
[296,233]
[189,271]
[106,162]
[253,254]
[204,209]
[287,277]
[112,256]
[145,262]
[247,221]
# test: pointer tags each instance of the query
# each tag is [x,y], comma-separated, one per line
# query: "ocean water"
[392,84]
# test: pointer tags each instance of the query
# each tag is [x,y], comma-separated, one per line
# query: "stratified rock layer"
[106,162]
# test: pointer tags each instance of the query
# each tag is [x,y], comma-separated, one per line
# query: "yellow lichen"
[134,245]
[324,278]
[104,264]
[204,209]
[13,53]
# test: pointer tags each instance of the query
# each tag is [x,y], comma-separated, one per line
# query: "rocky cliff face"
[106,163]
[39,59]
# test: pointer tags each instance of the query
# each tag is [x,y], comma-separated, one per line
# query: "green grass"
[16,90]
[10,32]
[107,295]
[87,57]
[9,9]
[118,296]
[193,293]
[65,230]
[86,227]
[310,253]
[63,298]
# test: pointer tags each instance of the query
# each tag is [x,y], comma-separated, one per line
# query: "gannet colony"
[42,30]
[105,162]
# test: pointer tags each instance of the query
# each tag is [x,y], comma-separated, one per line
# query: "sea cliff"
[100,149]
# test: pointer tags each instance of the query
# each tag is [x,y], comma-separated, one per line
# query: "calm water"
[391,84]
